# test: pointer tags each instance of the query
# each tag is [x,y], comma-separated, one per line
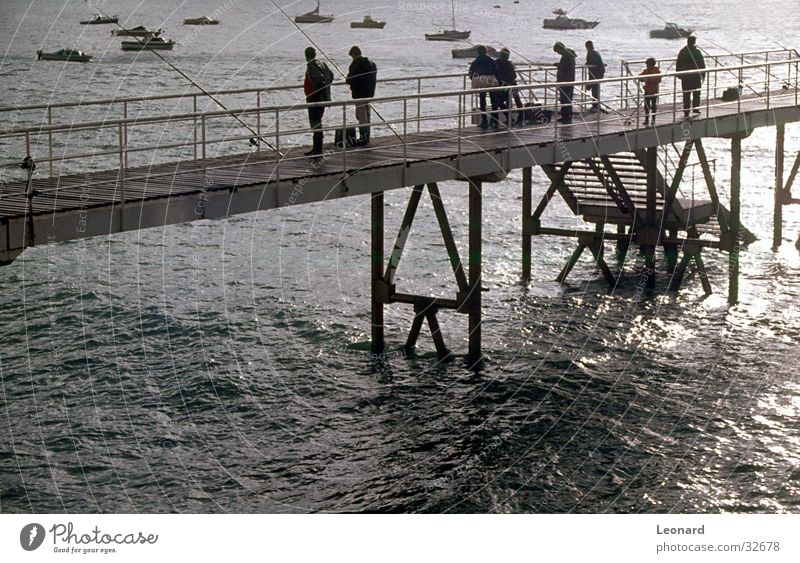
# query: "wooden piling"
[527,182]
[735,212]
[475,260]
[377,272]
[777,219]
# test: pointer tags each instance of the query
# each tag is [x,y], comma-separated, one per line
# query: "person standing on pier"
[565,73]
[362,77]
[317,87]
[690,58]
[651,76]
[597,70]
[507,76]
[483,72]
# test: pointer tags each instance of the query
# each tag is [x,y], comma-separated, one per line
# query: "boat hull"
[671,34]
[472,52]
[71,58]
[101,21]
[448,36]
[569,24]
[136,46]
[362,25]
[200,22]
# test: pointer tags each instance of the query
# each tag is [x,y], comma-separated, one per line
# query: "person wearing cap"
[690,58]
[362,77]
[507,76]
[597,70]
[483,73]
[317,88]
[565,73]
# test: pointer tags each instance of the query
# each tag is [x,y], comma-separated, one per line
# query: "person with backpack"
[483,74]
[317,88]
[362,77]
[690,58]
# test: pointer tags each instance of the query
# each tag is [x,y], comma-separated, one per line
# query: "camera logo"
[31,536]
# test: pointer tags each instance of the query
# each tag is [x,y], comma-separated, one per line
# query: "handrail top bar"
[719,55]
[521,66]
[349,102]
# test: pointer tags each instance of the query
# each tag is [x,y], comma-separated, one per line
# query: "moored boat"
[368,23]
[449,34]
[138,31]
[313,17]
[145,44]
[472,52]
[98,20]
[202,20]
[563,21]
[68,55]
[671,31]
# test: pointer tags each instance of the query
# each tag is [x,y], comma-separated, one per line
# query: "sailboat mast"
[453,8]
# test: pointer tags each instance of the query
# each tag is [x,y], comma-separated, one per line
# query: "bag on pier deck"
[536,113]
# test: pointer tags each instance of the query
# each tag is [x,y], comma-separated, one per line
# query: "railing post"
[674,99]
[258,120]
[122,153]
[203,135]
[278,145]
[460,119]
[419,103]
[194,111]
[344,138]
[405,135]
[50,140]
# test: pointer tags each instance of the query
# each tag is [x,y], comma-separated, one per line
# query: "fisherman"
[690,58]
[362,76]
[565,73]
[597,70]
[507,76]
[651,76]
[483,72]
[317,87]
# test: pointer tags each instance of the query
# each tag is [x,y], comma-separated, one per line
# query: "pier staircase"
[612,190]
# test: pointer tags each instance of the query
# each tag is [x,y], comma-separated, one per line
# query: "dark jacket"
[483,65]
[506,73]
[690,58]
[566,67]
[597,69]
[362,76]
[319,77]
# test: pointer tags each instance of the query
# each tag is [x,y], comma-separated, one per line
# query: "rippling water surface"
[224,366]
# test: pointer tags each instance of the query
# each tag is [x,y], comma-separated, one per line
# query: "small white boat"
[368,23]
[563,21]
[472,52]
[98,20]
[138,31]
[671,31]
[69,55]
[313,17]
[203,20]
[145,44]
[449,34]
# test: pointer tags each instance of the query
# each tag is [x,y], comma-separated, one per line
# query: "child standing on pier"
[652,78]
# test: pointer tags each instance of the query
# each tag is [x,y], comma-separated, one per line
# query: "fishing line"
[196,85]
[330,60]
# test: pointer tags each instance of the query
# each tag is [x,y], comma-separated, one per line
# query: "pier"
[82,169]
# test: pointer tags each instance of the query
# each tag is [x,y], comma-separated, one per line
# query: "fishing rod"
[330,60]
[196,85]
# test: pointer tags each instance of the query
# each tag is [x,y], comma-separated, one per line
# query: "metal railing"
[199,136]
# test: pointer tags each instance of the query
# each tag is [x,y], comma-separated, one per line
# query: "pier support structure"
[735,214]
[783,192]
[426,308]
